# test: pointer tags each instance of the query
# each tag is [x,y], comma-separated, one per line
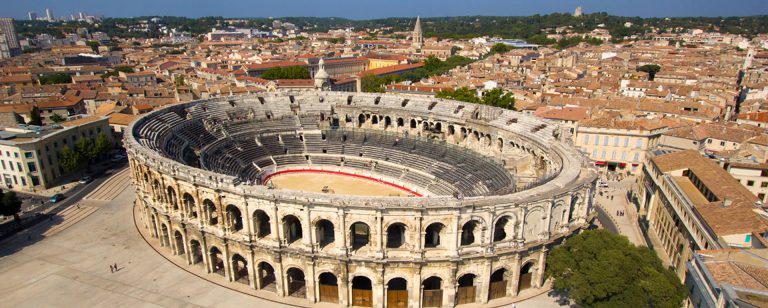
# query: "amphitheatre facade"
[475,195]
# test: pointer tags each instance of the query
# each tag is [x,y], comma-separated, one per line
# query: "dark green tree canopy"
[600,269]
[10,205]
[286,72]
[34,117]
[500,48]
[497,98]
[651,69]
[463,94]
[55,79]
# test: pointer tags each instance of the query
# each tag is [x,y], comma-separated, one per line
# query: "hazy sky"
[364,9]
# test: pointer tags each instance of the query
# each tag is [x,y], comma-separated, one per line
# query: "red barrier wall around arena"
[344,174]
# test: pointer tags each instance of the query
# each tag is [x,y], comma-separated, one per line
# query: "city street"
[615,212]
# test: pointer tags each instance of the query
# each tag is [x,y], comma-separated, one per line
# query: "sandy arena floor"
[336,183]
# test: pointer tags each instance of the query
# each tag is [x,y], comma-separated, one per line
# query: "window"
[3,162]
[602,155]
[613,155]
[10,165]
[750,183]
[594,154]
[722,143]
[638,143]
[16,154]
[597,140]
[29,155]
[586,139]
[615,141]
[636,158]
[761,197]
[31,167]
[18,164]
[23,181]
[35,180]
[626,142]
[605,140]
[624,156]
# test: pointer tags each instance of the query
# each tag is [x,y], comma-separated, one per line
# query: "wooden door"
[465,295]
[498,290]
[397,298]
[432,298]
[329,294]
[525,281]
[362,298]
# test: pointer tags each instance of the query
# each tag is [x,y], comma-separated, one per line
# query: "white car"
[118,158]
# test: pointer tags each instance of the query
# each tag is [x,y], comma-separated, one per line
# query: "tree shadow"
[28,233]
[561,297]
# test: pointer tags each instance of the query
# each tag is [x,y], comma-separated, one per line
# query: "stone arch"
[189,205]
[266,275]
[466,291]
[387,122]
[234,217]
[153,225]
[360,120]
[396,235]
[362,291]
[261,223]
[325,232]
[359,235]
[433,234]
[296,282]
[534,221]
[196,251]
[400,122]
[574,204]
[526,275]
[165,239]
[217,260]
[470,232]
[171,194]
[432,292]
[178,242]
[413,123]
[558,217]
[498,283]
[328,285]
[292,230]
[210,212]
[504,228]
[499,144]
[240,269]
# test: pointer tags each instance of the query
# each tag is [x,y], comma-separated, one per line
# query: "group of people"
[619,213]
[113,268]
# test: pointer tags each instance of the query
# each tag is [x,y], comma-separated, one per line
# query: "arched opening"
[468,231]
[189,205]
[572,207]
[210,212]
[329,288]
[375,119]
[498,286]
[360,235]
[432,236]
[526,275]
[499,144]
[432,292]
[196,250]
[240,269]
[439,127]
[467,290]
[217,261]
[297,286]
[261,223]
[165,239]
[178,242]
[171,193]
[234,218]
[325,233]
[397,293]
[292,229]
[360,120]
[387,122]
[500,229]
[413,123]
[157,191]
[153,221]
[362,292]
[395,235]
[425,126]
[400,122]
[266,276]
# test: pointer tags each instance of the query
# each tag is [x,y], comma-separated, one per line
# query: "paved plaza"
[65,262]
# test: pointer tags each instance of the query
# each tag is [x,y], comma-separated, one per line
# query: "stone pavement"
[614,198]
[64,262]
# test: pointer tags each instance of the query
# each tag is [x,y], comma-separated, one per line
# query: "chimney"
[726,203]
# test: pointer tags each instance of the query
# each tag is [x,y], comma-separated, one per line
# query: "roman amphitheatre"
[371,200]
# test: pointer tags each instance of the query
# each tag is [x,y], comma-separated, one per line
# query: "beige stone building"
[616,145]
[690,204]
[29,158]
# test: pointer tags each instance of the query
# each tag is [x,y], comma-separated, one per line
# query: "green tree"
[103,145]
[86,150]
[651,69]
[55,79]
[56,118]
[34,117]
[117,70]
[463,94]
[70,159]
[498,98]
[600,269]
[10,205]
[94,46]
[286,72]
[500,48]
[373,83]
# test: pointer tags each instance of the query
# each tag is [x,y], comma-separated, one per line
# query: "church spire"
[418,36]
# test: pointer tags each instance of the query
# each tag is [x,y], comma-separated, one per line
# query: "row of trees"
[286,72]
[56,78]
[85,152]
[495,97]
[600,269]
[432,66]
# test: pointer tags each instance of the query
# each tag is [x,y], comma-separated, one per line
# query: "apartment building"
[690,203]
[618,145]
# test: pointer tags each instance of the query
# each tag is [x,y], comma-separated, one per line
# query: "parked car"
[85,180]
[56,198]
[118,158]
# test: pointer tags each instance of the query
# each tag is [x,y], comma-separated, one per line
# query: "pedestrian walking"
[111,269]
[115,266]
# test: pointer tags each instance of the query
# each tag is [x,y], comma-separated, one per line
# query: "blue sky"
[364,9]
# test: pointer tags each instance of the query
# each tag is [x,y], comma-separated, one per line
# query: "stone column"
[311,286]
[227,262]
[206,257]
[280,284]
[514,286]
[485,283]
[255,284]
[380,231]
[541,266]
[339,234]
